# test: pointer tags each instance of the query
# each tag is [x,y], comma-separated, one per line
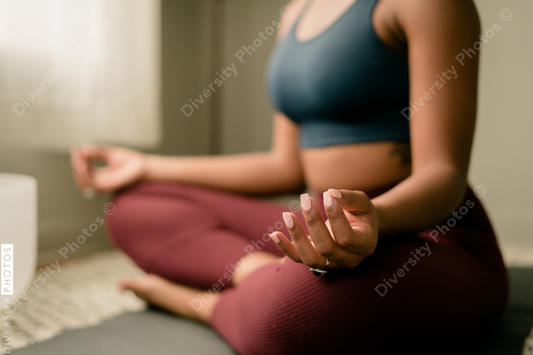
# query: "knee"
[124,208]
[138,208]
[270,308]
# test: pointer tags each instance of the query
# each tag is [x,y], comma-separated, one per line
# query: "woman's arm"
[443,94]
[276,171]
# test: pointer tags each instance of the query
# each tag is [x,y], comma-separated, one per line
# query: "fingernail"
[335,193]
[288,219]
[274,238]
[306,202]
[327,199]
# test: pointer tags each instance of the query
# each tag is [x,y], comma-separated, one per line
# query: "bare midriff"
[365,167]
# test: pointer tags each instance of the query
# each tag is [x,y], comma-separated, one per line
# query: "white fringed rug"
[82,294]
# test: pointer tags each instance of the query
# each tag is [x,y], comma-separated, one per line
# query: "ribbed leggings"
[417,293]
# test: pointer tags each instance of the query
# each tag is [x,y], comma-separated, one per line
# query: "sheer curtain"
[80,71]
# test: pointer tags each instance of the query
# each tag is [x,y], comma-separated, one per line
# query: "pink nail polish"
[328,200]
[335,193]
[306,202]
[288,219]
[274,238]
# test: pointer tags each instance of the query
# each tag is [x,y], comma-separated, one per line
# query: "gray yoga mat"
[157,332]
[150,332]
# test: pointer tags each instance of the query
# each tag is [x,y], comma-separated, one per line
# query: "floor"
[83,293]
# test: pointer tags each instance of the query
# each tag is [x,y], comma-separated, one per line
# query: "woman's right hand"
[122,167]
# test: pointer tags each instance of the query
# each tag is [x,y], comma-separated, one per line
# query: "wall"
[501,160]
[62,212]
[247,113]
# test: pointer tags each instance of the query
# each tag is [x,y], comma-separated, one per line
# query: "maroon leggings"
[417,292]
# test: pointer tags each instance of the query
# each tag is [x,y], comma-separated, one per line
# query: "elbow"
[294,182]
[448,183]
[290,173]
[297,188]
[454,186]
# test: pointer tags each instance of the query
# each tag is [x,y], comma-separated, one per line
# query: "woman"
[402,269]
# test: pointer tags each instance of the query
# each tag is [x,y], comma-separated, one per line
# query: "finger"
[107,179]
[352,201]
[97,152]
[341,228]
[73,164]
[324,243]
[357,206]
[84,171]
[285,245]
[308,253]
[77,168]
[100,178]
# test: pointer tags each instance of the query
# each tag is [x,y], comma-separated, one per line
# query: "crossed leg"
[188,239]
[190,236]
[177,298]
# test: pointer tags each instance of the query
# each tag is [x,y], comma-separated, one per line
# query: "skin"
[430,174]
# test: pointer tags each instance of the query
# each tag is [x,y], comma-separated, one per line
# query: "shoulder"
[290,13]
[438,18]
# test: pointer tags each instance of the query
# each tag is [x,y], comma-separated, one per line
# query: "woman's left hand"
[348,236]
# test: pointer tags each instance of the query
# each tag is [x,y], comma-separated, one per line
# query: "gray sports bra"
[344,86]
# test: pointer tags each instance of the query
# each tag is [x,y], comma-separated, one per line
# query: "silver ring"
[319,271]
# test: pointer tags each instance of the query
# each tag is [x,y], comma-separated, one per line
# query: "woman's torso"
[364,167]
[360,166]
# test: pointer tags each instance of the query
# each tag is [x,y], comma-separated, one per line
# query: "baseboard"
[56,234]
[513,226]
[517,255]
[46,257]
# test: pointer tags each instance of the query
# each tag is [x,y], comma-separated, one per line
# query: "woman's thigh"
[174,229]
[409,292]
